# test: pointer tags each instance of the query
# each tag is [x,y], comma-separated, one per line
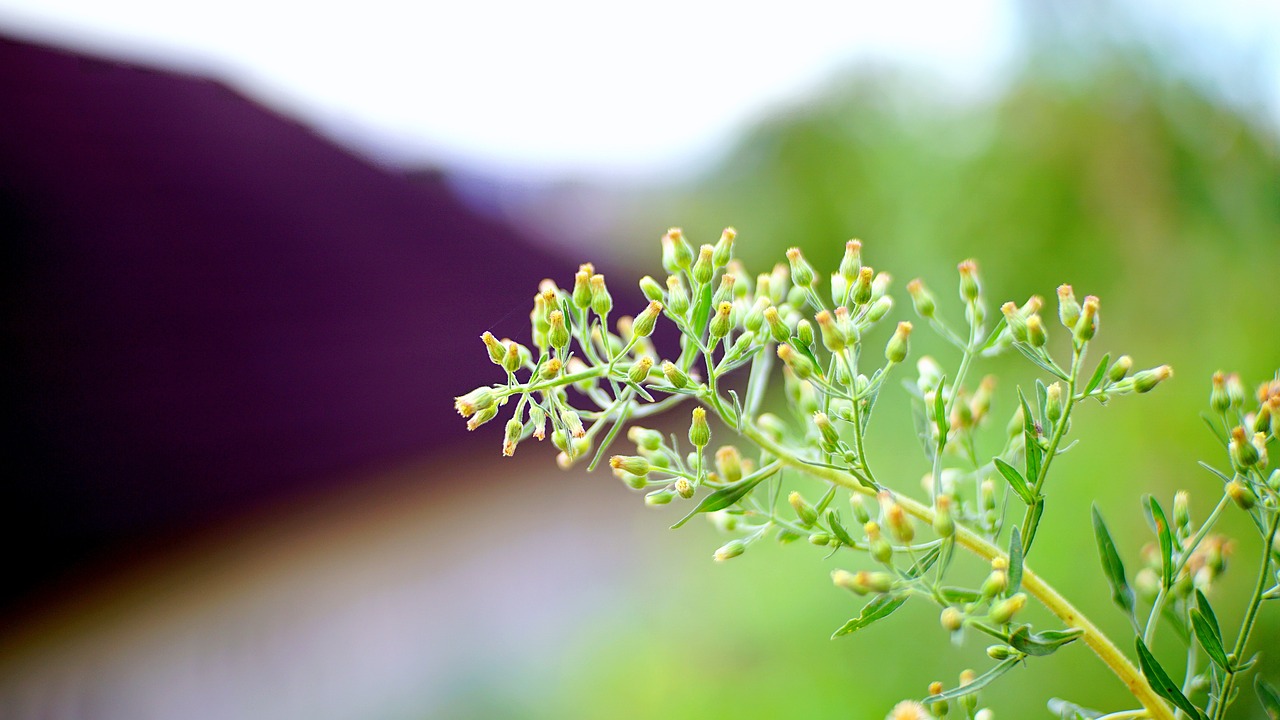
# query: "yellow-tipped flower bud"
[479,399]
[859,507]
[804,511]
[511,437]
[651,289]
[644,438]
[677,295]
[1087,325]
[778,329]
[755,317]
[558,335]
[830,438]
[898,347]
[1003,611]
[724,247]
[572,422]
[1243,453]
[721,323]
[970,288]
[699,430]
[703,268]
[881,550]
[601,300]
[801,270]
[677,254]
[639,371]
[513,359]
[659,497]
[683,487]
[921,298]
[724,293]
[675,375]
[900,524]
[1235,390]
[944,523]
[1182,512]
[482,417]
[851,263]
[832,338]
[497,351]
[951,619]
[582,289]
[804,333]
[1015,321]
[863,582]
[1036,334]
[730,550]
[862,290]
[1145,380]
[729,464]
[550,369]
[799,364]
[644,323]
[1068,307]
[1053,402]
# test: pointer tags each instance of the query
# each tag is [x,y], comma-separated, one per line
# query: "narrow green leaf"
[1071,711]
[833,522]
[1121,593]
[1209,640]
[1161,682]
[702,310]
[1033,357]
[878,609]
[1161,526]
[1015,561]
[994,338]
[1016,481]
[925,562]
[1268,696]
[826,499]
[623,414]
[1098,374]
[940,414]
[1042,404]
[1218,432]
[1221,475]
[959,595]
[920,419]
[1032,451]
[1042,643]
[804,350]
[978,683]
[737,409]
[1202,604]
[638,390]
[729,494]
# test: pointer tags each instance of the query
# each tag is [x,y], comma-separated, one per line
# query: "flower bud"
[1145,380]
[725,292]
[634,464]
[639,371]
[550,369]
[1016,322]
[674,375]
[1120,368]
[482,417]
[651,289]
[1182,512]
[474,401]
[820,539]
[497,351]
[880,285]
[880,549]
[1000,652]
[730,550]
[513,359]
[538,419]
[703,269]
[720,322]
[644,323]
[1243,453]
[683,487]
[601,300]
[660,497]
[1036,334]
[559,332]
[804,333]
[755,317]
[1068,308]
[677,254]
[778,329]
[830,438]
[944,523]
[900,524]
[772,425]
[995,583]
[969,702]
[921,298]
[724,247]
[851,263]
[952,619]
[832,338]
[859,509]
[582,289]
[572,422]
[699,431]
[862,582]
[970,288]
[729,464]
[801,270]
[644,438]
[799,364]
[1241,494]
[1053,402]
[1003,611]
[514,430]
[1087,325]
[804,511]
[862,291]
[879,309]
[896,350]
[1235,391]
[677,295]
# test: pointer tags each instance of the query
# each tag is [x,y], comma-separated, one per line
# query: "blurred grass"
[1127,181]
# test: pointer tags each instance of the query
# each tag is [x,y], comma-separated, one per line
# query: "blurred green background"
[1100,163]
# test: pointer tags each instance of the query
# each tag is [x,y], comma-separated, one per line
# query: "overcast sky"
[558,87]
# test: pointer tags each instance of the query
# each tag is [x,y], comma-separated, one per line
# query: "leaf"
[1202,604]
[1042,643]
[1161,526]
[1218,432]
[878,609]
[1268,696]
[833,522]
[1042,403]
[940,413]
[959,595]
[737,408]
[1209,640]
[1161,683]
[826,499]
[1015,561]
[1030,355]
[804,350]
[978,683]
[638,390]
[1031,446]
[1098,374]
[729,494]
[994,338]
[925,562]
[702,310]
[623,414]
[1221,475]
[1121,593]
[1016,481]
[921,421]
[1071,711]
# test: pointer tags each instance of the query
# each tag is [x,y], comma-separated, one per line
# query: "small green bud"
[644,323]
[730,550]
[725,292]
[1182,512]
[1147,584]
[839,288]
[633,464]
[778,329]
[660,497]
[514,430]
[896,350]
[899,523]
[820,539]
[1016,322]
[862,582]
[742,344]
[644,438]
[513,358]
[830,438]
[1235,391]
[582,288]
[724,247]
[755,317]
[944,523]
[601,300]
[880,549]
[859,509]
[677,295]
[497,351]
[1000,652]
[879,309]
[1218,399]
[479,399]
[995,583]
[921,299]
[639,371]
[538,418]
[970,288]
[550,369]
[799,364]
[804,333]
[683,487]
[951,619]
[1145,380]
[851,263]
[1068,308]
[862,291]
[1003,611]
[482,417]
[772,425]
[699,431]
[801,271]
[1087,325]
[721,323]
[559,332]
[1036,334]
[1053,402]
[650,287]
[677,254]
[703,268]
[987,493]
[635,482]
[1243,453]
[729,464]
[832,338]
[969,702]
[572,422]
[1120,368]
[675,375]
[808,516]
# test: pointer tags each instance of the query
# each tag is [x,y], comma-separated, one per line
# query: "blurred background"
[249,249]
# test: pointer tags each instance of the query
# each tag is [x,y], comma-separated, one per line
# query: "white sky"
[555,87]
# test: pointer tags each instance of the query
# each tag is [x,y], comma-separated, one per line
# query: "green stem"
[1031,582]
[1157,606]
[1028,527]
[1250,616]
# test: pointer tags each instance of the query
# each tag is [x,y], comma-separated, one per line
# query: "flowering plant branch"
[728,321]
